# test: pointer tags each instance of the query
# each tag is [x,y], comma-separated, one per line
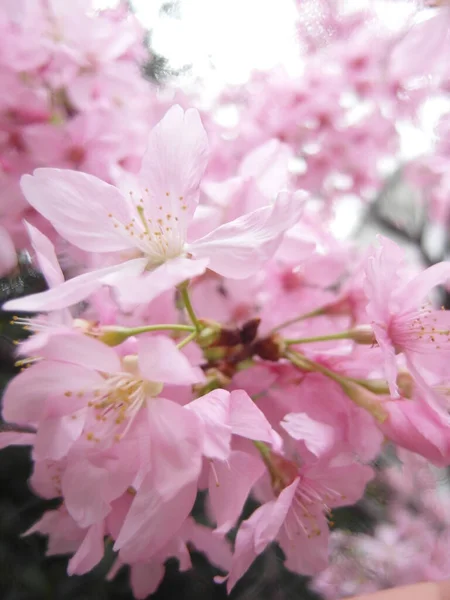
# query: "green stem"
[145,328]
[305,364]
[113,336]
[343,335]
[353,390]
[186,340]
[314,313]
[189,308]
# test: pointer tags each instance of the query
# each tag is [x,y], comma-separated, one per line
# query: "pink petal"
[160,360]
[349,480]
[57,435]
[305,555]
[421,48]
[83,484]
[216,549]
[230,483]
[240,248]
[389,358]
[153,520]
[8,257]
[13,438]
[174,163]
[176,436]
[78,206]
[248,421]
[213,409]
[275,514]
[145,578]
[46,256]
[89,553]
[90,489]
[26,395]
[152,284]
[245,548]
[413,426]
[318,437]
[76,289]
[269,164]
[413,292]
[79,349]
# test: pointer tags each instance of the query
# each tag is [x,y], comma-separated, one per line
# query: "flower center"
[157,232]
[121,397]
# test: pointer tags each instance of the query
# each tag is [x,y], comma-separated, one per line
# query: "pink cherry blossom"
[297,517]
[152,223]
[400,320]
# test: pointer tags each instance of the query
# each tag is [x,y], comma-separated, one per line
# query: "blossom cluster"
[411,546]
[232,346]
[339,116]
[72,96]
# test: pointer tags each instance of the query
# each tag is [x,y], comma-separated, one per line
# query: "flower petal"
[57,435]
[213,409]
[176,436]
[160,360]
[152,520]
[145,578]
[78,206]
[318,437]
[25,397]
[90,553]
[74,290]
[79,349]
[230,486]
[173,165]
[8,257]
[46,256]
[240,248]
[144,289]
[248,421]
[13,438]
[275,514]
[414,291]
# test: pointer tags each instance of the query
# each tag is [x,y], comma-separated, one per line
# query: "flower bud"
[365,399]
[405,384]
[363,334]
[249,330]
[270,348]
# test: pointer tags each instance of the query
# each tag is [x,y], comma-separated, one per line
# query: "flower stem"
[188,305]
[113,336]
[174,327]
[184,342]
[305,364]
[314,313]
[361,396]
[343,335]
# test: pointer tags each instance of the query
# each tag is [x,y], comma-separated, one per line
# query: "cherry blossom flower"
[400,320]
[296,518]
[152,225]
